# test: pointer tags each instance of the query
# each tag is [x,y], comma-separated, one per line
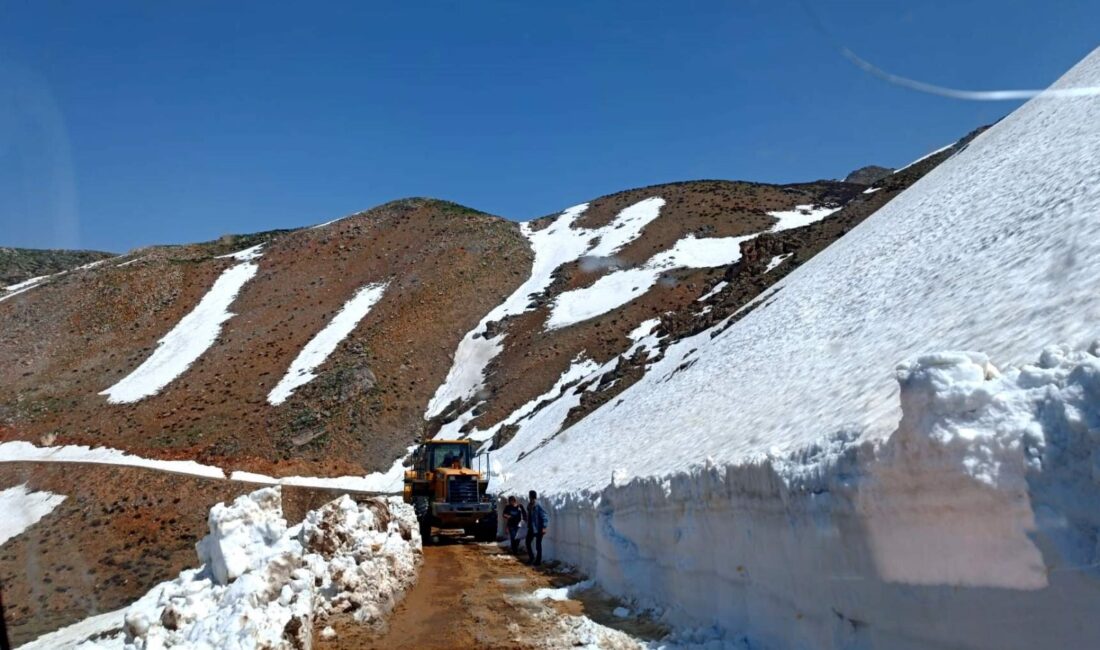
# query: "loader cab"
[447,455]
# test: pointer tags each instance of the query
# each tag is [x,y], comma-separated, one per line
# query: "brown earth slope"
[63,343]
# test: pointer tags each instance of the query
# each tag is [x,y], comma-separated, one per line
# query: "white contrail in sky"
[933,89]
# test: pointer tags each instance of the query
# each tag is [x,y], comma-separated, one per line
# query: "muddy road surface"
[471,595]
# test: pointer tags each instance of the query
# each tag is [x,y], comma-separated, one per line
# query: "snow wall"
[973,526]
[777,486]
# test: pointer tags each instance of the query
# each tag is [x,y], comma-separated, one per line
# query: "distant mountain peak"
[868,175]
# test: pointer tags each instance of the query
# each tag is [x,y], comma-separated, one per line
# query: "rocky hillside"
[21,264]
[75,345]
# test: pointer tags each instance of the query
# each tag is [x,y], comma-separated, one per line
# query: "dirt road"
[475,596]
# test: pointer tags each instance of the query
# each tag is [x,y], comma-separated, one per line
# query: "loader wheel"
[486,529]
[424,519]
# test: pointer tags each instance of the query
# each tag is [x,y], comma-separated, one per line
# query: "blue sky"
[124,124]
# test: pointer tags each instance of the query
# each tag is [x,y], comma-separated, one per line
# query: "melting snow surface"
[557,244]
[22,509]
[192,336]
[98,632]
[322,345]
[620,287]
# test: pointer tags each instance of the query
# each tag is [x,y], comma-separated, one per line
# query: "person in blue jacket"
[538,521]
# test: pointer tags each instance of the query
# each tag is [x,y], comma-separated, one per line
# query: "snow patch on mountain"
[776,261]
[13,290]
[191,337]
[18,451]
[23,508]
[557,244]
[620,287]
[539,421]
[324,342]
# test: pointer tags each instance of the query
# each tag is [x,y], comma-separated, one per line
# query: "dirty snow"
[324,342]
[555,245]
[22,508]
[97,632]
[191,337]
[262,584]
[714,291]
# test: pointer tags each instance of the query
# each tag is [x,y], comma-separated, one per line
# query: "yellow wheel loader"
[448,493]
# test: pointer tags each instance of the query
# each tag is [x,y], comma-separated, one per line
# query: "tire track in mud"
[475,596]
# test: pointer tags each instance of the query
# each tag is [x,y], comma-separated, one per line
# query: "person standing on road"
[513,515]
[538,521]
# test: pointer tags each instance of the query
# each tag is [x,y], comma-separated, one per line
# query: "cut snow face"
[557,244]
[1006,264]
[192,336]
[620,287]
[22,508]
[322,345]
[262,584]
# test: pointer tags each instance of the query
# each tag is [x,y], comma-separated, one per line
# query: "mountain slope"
[18,265]
[68,341]
[835,466]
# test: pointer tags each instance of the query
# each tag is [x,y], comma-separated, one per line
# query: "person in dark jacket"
[513,515]
[538,521]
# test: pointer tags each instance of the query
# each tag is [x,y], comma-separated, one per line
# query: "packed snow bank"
[983,504]
[324,342]
[555,245]
[191,337]
[22,508]
[264,585]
